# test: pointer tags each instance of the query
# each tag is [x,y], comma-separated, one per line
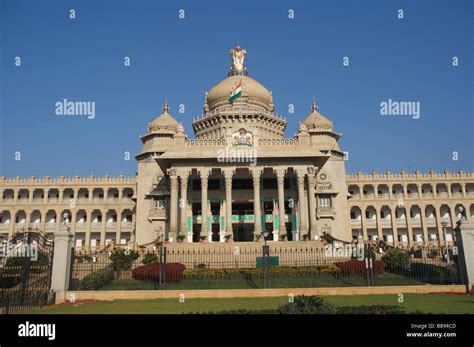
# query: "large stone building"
[237,178]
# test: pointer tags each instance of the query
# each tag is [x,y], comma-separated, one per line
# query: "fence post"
[61,262]
[465,243]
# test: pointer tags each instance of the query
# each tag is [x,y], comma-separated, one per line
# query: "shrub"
[372,309]
[307,305]
[149,258]
[97,279]
[435,274]
[151,272]
[354,267]
[13,264]
[397,260]
[122,259]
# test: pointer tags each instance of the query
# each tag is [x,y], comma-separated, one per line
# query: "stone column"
[87,240]
[423,225]
[61,262]
[257,212]
[228,173]
[103,228]
[280,174]
[409,226]
[393,219]
[465,243]
[379,224]
[439,226]
[300,175]
[204,185]
[365,236]
[313,230]
[118,235]
[183,204]
[173,230]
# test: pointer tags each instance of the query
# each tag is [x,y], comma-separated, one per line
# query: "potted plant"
[228,238]
[203,239]
[181,238]
[283,237]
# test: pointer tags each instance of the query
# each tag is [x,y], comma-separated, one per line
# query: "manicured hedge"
[370,309]
[280,271]
[97,279]
[151,272]
[317,305]
[354,267]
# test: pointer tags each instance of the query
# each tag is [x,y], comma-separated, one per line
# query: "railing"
[234,267]
[204,142]
[278,142]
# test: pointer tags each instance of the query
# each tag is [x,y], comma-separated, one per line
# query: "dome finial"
[238,67]
[165,106]
[314,106]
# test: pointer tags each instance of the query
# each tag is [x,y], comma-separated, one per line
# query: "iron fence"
[260,267]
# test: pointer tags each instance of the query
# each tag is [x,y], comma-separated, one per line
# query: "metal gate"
[25,272]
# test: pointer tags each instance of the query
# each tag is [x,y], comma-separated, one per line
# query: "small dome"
[315,120]
[164,122]
[250,88]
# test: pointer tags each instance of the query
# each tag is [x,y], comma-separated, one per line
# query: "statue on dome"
[238,55]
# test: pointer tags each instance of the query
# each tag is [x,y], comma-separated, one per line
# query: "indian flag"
[236,92]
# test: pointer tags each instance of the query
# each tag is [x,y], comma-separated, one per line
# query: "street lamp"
[265,235]
[444,224]
[266,255]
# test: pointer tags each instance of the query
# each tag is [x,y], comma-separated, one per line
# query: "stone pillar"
[280,174]
[365,236]
[409,226]
[301,202]
[228,173]
[424,226]
[204,183]
[183,205]
[464,193]
[87,241]
[173,230]
[313,230]
[118,235]
[257,212]
[102,229]
[379,224]
[61,262]
[465,244]
[393,219]
[439,226]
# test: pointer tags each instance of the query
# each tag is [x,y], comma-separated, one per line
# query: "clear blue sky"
[82,60]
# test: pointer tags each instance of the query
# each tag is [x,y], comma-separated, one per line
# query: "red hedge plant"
[354,267]
[151,272]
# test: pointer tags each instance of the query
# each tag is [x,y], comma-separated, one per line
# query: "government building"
[240,179]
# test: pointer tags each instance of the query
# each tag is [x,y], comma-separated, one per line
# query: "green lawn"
[428,303]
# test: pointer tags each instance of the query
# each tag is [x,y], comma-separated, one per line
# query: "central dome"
[250,89]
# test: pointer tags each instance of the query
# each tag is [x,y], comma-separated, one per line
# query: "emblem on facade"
[242,138]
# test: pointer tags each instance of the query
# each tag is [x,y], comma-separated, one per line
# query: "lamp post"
[444,224]
[266,255]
